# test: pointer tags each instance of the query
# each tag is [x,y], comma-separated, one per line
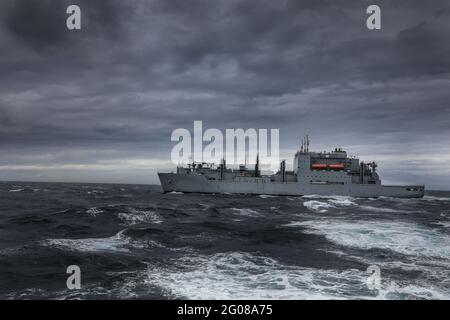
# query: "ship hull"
[250,185]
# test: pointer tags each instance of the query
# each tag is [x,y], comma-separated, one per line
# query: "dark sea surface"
[134,242]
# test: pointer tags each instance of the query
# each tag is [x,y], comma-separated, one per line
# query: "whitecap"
[334,197]
[435,198]
[394,291]
[343,202]
[318,206]
[379,209]
[238,275]
[265,196]
[95,192]
[245,212]
[16,190]
[135,216]
[118,243]
[94,211]
[402,237]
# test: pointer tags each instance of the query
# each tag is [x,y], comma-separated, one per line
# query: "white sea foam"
[432,270]
[237,275]
[175,192]
[396,292]
[264,196]
[332,197]
[95,192]
[246,212]
[402,237]
[94,211]
[318,206]
[119,243]
[315,196]
[435,198]
[343,202]
[328,202]
[387,210]
[134,216]
[116,243]
[244,276]
[16,190]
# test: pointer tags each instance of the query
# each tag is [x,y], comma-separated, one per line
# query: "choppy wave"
[94,211]
[332,197]
[265,196]
[382,209]
[184,246]
[324,203]
[445,224]
[134,216]
[343,202]
[119,243]
[402,237]
[318,206]
[246,212]
[237,275]
[435,198]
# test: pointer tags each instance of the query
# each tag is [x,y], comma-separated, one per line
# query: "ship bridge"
[333,167]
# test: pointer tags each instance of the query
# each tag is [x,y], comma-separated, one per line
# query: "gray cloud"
[115,90]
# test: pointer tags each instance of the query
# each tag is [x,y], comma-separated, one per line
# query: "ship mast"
[257,174]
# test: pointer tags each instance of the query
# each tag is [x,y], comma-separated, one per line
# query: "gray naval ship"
[315,173]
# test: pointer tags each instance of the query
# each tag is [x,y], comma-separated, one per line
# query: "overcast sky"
[99,104]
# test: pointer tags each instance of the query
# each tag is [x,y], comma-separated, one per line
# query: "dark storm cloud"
[37,23]
[116,89]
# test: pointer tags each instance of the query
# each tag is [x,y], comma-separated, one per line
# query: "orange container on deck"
[337,166]
[318,166]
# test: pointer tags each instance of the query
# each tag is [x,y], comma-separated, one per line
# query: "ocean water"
[133,242]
